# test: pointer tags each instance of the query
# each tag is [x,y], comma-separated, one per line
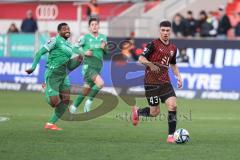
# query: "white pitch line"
[4,119]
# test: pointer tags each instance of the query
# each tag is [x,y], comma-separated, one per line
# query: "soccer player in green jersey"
[94,46]
[59,61]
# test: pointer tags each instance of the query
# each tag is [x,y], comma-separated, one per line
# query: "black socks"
[172,118]
[172,122]
[145,112]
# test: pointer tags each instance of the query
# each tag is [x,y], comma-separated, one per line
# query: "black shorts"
[162,92]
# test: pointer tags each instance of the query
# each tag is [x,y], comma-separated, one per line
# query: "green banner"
[2,44]
[21,45]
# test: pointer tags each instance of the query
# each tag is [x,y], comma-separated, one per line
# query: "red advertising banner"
[58,10]
[41,11]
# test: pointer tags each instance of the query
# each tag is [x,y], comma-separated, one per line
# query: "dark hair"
[61,25]
[202,12]
[165,24]
[93,19]
[189,12]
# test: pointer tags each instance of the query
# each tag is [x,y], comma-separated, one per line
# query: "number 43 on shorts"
[154,100]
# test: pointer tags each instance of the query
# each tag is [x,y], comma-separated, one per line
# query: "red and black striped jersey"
[161,55]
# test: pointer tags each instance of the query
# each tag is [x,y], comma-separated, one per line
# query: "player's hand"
[103,45]
[179,82]
[29,71]
[154,67]
[78,58]
[88,53]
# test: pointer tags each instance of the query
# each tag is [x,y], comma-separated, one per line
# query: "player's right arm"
[46,48]
[143,58]
[104,45]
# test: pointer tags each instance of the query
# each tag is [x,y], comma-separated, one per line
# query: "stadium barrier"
[210,83]
[211,73]
[20,44]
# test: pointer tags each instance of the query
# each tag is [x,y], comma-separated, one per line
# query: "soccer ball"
[181,136]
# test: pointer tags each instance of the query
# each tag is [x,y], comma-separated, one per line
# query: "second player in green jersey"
[94,46]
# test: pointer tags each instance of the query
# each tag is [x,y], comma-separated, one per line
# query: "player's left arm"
[50,45]
[36,60]
[104,45]
[175,70]
[177,74]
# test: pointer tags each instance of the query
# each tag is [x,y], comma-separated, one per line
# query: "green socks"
[58,112]
[79,100]
[95,89]
[91,95]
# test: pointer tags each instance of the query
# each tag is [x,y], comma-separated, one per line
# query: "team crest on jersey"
[145,50]
[51,40]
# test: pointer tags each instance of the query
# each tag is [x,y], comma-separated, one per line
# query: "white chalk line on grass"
[4,119]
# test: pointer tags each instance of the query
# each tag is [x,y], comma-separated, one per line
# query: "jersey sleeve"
[148,50]
[173,60]
[106,46]
[50,44]
[78,47]
[81,41]
[37,57]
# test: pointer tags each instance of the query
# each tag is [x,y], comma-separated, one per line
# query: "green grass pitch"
[214,127]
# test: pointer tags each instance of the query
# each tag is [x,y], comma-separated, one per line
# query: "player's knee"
[155,112]
[100,84]
[86,90]
[54,102]
[65,97]
[172,103]
[66,100]
[172,107]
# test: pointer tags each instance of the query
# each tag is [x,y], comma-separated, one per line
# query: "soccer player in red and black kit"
[157,57]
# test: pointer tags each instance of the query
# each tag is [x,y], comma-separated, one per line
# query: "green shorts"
[56,81]
[90,73]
